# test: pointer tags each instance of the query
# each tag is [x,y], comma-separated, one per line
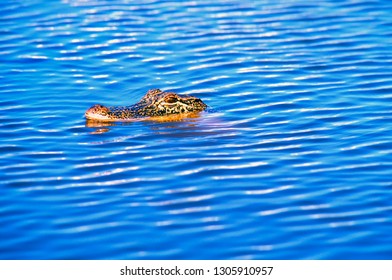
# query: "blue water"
[294,162]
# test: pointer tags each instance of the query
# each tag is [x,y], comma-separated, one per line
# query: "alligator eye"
[171,99]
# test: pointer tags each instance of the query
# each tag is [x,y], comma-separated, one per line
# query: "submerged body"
[155,103]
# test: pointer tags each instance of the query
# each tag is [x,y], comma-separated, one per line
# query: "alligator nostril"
[97,109]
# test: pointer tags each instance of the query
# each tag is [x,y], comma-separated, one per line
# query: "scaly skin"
[154,104]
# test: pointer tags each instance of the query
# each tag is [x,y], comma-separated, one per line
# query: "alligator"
[156,103]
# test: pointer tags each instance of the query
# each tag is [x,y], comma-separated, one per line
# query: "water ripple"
[292,161]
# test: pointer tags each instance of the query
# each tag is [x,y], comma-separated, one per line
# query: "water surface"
[294,162]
